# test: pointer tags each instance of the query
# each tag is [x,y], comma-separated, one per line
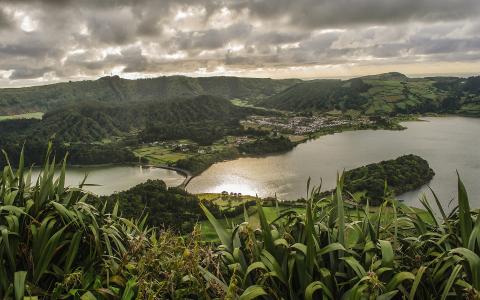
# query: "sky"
[43,41]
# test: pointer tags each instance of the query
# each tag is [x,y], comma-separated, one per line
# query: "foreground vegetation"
[58,243]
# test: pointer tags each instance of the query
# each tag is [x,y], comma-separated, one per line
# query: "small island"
[400,175]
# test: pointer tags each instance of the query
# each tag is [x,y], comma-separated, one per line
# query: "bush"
[331,252]
[56,245]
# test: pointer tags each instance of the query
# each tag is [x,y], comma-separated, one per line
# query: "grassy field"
[34,115]
[208,232]
[241,103]
[160,154]
[271,213]
[225,201]
[385,95]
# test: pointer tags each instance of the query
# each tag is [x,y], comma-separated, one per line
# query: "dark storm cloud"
[341,13]
[5,20]
[66,39]
[27,73]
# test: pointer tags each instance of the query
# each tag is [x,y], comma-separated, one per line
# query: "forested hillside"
[76,127]
[116,90]
[93,121]
[390,93]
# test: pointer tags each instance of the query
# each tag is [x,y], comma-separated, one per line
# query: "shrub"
[332,252]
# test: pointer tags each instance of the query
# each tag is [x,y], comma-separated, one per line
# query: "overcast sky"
[57,40]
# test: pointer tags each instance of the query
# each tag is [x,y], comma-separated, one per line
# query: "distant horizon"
[345,77]
[45,41]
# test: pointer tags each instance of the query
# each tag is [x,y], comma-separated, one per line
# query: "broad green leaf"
[19,284]
[253,292]
[317,286]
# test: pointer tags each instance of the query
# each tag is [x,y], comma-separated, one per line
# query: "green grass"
[160,154]
[241,103]
[224,201]
[208,233]
[33,115]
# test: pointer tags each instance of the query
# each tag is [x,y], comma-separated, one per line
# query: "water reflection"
[116,178]
[447,143]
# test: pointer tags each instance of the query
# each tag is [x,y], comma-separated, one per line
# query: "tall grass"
[330,252]
[58,242]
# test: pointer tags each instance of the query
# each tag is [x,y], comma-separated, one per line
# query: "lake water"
[117,178]
[447,143]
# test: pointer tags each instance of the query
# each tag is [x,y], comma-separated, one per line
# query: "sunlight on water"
[438,141]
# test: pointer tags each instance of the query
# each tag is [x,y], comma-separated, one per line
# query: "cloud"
[5,20]
[28,73]
[342,13]
[66,39]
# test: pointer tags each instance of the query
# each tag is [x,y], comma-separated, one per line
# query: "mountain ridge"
[113,89]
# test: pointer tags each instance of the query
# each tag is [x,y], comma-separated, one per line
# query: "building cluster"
[183,147]
[241,140]
[302,125]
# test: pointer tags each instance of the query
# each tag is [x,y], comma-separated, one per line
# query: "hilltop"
[383,94]
[113,89]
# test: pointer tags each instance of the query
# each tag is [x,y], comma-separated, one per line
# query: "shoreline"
[190,175]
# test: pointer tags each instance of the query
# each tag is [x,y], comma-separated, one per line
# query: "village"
[300,125]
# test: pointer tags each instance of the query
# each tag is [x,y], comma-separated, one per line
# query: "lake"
[447,143]
[117,178]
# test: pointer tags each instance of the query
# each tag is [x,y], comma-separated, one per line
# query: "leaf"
[316,286]
[465,218]
[255,266]
[253,292]
[416,282]
[387,253]
[222,234]
[209,277]
[266,231]
[474,239]
[340,210]
[330,248]
[129,292]
[398,279]
[88,296]
[473,262]
[272,264]
[355,266]
[19,284]
[387,296]
[450,281]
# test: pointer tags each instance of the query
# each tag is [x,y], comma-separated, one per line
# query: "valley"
[168,122]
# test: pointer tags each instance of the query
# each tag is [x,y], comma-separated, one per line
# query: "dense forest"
[111,90]
[166,207]
[80,129]
[169,208]
[405,173]
[267,145]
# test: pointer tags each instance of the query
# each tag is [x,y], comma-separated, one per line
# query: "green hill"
[116,90]
[94,121]
[389,93]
